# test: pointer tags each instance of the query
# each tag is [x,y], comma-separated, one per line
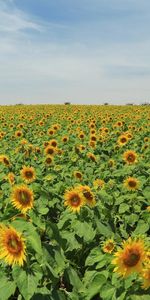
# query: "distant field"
[75,202]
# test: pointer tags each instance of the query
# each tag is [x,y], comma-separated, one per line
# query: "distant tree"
[67,103]
[146,103]
[106,103]
[130,104]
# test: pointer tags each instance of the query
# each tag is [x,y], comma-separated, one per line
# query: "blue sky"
[83,51]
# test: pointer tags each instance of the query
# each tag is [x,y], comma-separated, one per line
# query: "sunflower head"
[130,157]
[122,140]
[11,177]
[131,183]
[74,200]
[91,156]
[77,175]
[98,183]
[22,198]
[108,246]
[65,139]
[5,160]
[28,174]
[87,194]
[130,257]
[146,277]
[53,143]
[49,159]
[50,150]
[12,246]
[18,133]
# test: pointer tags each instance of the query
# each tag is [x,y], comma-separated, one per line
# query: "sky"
[81,51]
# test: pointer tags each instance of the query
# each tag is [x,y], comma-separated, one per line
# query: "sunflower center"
[88,195]
[110,246]
[131,158]
[14,244]
[24,197]
[6,161]
[75,200]
[50,151]
[123,140]
[78,175]
[132,258]
[132,183]
[48,160]
[29,174]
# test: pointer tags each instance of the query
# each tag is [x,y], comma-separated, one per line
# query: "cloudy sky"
[83,51]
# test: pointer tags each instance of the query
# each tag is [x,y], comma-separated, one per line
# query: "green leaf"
[95,285]
[138,297]
[103,229]
[95,256]
[7,289]
[26,282]
[123,208]
[84,230]
[108,292]
[142,227]
[74,279]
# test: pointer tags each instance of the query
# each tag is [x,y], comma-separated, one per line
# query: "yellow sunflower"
[87,194]
[22,198]
[49,159]
[11,177]
[12,246]
[122,140]
[108,246]
[4,159]
[146,277]
[50,150]
[28,174]
[130,156]
[91,156]
[130,257]
[74,199]
[53,143]
[77,175]
[98,183]
[131,183]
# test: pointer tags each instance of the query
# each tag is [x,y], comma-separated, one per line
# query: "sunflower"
[4,159]
[77,175]
[50,150]
[12,246]
[49,159]
[51,131]
[91,156]
[98,183]
[22,198]
[11,177]
[111,163]
[130,156]
[122,140]
[53,143]
[146,277]
[131,183]
[65,139]
[130,257]
[18,133]
[92,144]
[108,246]
[28,174]
[74,199]
[87,194]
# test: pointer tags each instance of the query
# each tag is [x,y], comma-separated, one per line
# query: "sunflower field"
[74,202]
